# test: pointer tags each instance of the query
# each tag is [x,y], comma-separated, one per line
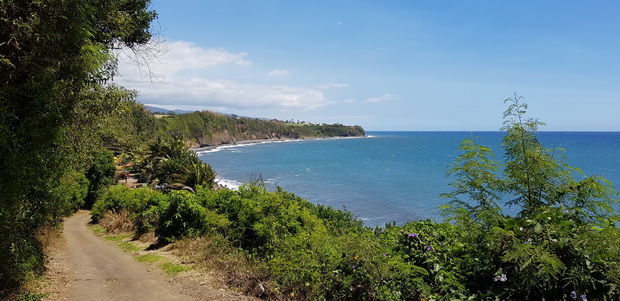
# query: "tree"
[477,179]
[51,53]
[200,174]
[169,160]
[539,178]
[543,248]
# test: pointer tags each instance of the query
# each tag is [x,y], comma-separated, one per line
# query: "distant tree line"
[210,128]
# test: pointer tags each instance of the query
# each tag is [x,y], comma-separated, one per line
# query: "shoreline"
[235,184]
[204,149]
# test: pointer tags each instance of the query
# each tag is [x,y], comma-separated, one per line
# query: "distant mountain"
[157,110]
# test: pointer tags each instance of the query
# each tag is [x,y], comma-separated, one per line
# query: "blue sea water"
[390,176]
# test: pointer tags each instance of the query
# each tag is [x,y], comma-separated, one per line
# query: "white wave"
[218,148]
[230,184]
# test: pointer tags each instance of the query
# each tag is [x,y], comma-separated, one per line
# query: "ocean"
[389,176]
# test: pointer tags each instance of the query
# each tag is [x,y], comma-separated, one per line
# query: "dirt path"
[104,272]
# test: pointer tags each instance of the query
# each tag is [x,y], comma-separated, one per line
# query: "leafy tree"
[51,52]
[99,174]
[536,254]
[477,179]
[539,178]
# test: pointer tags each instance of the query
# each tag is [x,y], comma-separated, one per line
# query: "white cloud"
[382,98]
[332,85]
[349,100]
[230,94]
[185,55]
[179,56]
[181,82]
[278,73]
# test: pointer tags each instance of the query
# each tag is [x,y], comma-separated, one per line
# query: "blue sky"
[388,65]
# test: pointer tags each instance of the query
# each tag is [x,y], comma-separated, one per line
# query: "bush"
[316,252]
[184,216]
[100,173]
[117,197]
[72,191]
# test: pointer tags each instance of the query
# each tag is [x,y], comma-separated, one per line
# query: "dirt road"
[103,272]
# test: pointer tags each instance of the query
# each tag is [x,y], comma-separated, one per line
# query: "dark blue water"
[390,176]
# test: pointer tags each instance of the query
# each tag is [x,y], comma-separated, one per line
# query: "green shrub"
[184,216]
[117,197]
[100,173]
[152,202]
[72,191]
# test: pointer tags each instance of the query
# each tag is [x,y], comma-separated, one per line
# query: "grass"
[98,230]
[127,246]
[30,297]
[173,269]
[117,238]
[169,268]
[150,258]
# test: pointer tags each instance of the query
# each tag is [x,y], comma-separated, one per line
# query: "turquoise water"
[389,176]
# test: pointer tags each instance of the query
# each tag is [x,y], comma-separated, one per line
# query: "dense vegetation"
[212,129]
[55,58]
[65,131]
[63,122]
[562,245]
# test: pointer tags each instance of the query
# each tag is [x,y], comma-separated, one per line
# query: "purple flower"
[583,297]
[384,254]
[429,248]
[354,267]
[412,235]
[573,295]
[502,278]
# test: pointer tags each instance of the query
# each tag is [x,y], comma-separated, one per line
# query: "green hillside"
[211,129]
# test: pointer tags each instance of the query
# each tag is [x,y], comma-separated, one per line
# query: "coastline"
[204,149]
[234,184]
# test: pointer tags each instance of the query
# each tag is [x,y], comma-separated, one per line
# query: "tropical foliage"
[63,123]
[55,56]
[562,244]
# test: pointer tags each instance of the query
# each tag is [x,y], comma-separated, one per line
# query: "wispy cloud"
[382,98]
[332,85]
[184,82]
[230,94]
[279,72]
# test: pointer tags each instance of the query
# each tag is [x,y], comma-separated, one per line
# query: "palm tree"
[200,174]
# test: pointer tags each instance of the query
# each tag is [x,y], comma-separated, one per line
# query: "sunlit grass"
[117,238]
[129,247]
[98,230]
[172,268]
[149,258]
